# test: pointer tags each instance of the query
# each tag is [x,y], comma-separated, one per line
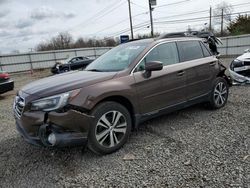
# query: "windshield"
[118,58]
[66,60]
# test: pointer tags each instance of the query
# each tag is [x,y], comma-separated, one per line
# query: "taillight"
[5,76]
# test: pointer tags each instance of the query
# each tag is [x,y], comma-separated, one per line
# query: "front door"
[163,88]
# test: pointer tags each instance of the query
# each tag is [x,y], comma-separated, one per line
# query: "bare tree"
[222,15]
[65,41]
[110,42]
[62,41]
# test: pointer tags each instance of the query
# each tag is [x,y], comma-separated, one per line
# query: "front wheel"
[110,129]
[65,70]
[219,94]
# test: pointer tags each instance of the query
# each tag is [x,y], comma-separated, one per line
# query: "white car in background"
[240,68]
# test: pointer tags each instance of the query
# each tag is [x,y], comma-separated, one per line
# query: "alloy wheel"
[111,129]
[220,94]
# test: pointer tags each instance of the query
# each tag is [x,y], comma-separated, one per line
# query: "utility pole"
[210,19]
[151,17]
[222,18]
[130,17]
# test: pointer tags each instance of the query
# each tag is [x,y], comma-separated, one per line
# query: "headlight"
[53,102]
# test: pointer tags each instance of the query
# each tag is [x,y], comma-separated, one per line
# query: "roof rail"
[200,34]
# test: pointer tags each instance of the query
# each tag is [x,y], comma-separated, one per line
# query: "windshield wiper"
[95,70]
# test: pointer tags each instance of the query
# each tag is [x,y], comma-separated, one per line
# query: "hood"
[65,82]
[244,57]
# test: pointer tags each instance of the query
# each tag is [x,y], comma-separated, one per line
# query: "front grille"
[18,106]
[247,63]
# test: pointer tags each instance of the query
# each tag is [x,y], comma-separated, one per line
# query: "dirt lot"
[194,147]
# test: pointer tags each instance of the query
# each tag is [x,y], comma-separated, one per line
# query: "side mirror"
[152,66]
[246,51]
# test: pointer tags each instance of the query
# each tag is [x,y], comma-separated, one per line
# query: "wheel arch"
[123,101]
[223,75]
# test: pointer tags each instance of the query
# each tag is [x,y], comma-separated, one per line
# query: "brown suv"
[124,87]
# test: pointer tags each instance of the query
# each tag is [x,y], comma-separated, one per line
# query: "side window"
[80,58]
[205,50]
[189,50]
[73,60]
[165,53]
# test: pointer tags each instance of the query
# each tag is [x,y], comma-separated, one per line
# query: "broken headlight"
[54,102]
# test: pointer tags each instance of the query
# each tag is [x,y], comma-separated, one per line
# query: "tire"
[110,129]
[65,70]
[219,94]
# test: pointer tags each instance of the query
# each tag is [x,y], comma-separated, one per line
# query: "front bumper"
[34,140]
[238,77]
[35,127]
[55,70]
[6,86]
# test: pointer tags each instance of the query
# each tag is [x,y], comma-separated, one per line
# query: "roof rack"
[199,34]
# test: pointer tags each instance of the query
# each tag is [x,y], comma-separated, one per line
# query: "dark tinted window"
[189,50]
[74,60]
[165,53]
[205,50]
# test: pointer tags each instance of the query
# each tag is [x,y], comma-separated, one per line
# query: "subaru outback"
[112,96]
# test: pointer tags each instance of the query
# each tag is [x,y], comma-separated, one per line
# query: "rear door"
[197,67]
[164,88]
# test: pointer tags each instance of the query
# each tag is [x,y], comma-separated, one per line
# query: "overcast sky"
[25,23]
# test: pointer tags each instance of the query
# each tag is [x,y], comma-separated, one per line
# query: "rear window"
[189,50]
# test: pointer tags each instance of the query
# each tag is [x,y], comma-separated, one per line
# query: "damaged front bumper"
[54,129]
[240,71]
[239,78]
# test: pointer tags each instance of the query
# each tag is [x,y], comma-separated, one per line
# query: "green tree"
[241,25]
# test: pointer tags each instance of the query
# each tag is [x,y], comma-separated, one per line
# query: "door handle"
[212,64]
[180,73]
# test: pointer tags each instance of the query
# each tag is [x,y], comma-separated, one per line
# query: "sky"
[26,23]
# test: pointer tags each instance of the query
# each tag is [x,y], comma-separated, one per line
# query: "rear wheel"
[219,94]
[110,129]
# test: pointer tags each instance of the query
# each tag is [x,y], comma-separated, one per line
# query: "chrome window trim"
[164,42]
[132,72]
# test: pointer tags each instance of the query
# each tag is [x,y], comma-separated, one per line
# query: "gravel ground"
[194,147]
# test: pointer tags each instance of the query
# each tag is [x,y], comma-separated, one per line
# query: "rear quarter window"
[205,50]
[189,50]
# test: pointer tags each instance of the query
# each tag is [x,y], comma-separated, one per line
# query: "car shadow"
[7,95]
[16,155]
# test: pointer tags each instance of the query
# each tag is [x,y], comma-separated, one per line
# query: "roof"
[151,40]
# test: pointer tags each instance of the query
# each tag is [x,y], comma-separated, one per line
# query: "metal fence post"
[75,52]
[54,56]
[1,68]
[31,65]
[226,46]
[95,53]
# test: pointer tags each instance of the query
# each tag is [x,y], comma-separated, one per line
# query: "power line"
[138,5]
[114,6]
[100,14]
[171,22]
[185,14]
[120,22]
[175,3]
[198,18]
